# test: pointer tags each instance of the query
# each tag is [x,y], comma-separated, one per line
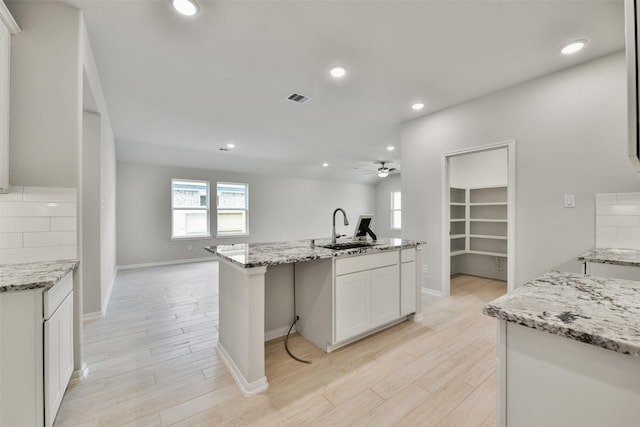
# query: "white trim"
[277,333]
[88,317]
[107,298]
[432,292]
[510,145]
[7,19]
[80,374]
[160,263]
[247,388]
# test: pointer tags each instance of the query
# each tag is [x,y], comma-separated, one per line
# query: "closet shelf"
[487,236]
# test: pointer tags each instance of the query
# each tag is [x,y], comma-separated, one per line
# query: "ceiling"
[178,89]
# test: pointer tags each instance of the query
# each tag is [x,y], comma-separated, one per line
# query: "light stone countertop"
[599,311]
[614,256]
[34,275]
[247,255]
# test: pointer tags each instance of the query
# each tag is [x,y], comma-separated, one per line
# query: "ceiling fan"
[383,171]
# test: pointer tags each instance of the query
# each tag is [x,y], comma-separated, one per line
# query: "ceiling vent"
[300,99]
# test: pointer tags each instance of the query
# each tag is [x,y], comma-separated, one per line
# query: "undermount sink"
[346,245]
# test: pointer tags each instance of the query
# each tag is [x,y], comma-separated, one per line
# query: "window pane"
[187,194]
[231,222]
[232,196]
[396,200]
[397,219]
[192,222]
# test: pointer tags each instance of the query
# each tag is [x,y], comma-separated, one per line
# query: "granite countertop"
[615,256]
[248,255]
[34,275]
[599,311]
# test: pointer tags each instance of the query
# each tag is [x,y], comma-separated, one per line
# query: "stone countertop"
[34,275]
[599,311]
[615,256]
[247,255]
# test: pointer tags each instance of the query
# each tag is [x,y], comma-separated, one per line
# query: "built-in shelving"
[478,221]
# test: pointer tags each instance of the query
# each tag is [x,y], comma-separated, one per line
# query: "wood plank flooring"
[153,362]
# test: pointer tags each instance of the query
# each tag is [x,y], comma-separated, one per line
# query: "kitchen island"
[340,296]
[620,263]
[569,352]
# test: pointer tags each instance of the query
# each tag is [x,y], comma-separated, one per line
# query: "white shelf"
[487,236]
[458,253]
[458,236]
[458,219]
[488,204]
[500,254]
[487,220]
[458,204]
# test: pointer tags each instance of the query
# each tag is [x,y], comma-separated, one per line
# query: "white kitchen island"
[569,352]
[340,296]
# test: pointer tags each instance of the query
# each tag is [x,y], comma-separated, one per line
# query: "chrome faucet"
[346,222]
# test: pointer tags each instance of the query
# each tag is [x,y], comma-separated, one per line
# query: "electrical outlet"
[569,200]
[425,269]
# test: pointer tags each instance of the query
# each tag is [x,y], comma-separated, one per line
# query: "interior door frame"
[511,211]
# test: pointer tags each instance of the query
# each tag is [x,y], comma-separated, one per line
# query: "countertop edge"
[46,284]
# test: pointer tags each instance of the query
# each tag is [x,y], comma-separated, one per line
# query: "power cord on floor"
[286,343]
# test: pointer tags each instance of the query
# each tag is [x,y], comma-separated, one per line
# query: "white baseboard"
[79,374]
[249,389]
[432,292]
[87,317]
[277,333]
[161,263]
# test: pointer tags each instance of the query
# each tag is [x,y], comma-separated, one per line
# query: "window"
[396,213]
[233,209]
[190,208]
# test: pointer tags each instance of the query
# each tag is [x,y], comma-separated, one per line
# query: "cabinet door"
[385,295]
[353,305]
[408,288]
[58,357]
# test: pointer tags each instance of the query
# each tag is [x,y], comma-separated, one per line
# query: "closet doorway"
[478,212]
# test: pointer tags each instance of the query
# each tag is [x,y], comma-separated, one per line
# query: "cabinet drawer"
[365,262]
[407,255]
[54,296]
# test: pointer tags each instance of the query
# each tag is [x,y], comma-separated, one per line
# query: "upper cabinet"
[631,38]
[8,27]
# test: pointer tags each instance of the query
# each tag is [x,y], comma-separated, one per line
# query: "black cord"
[286,343]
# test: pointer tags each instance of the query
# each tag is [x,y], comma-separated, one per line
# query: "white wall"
[382,222]
[570,133]
[279,209]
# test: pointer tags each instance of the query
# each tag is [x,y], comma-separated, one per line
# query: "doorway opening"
[478,213]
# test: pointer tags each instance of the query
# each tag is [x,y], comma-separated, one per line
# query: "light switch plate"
[569,200]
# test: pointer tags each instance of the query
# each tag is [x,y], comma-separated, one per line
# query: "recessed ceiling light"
[185,7]
[573,47]
[417,106]
[338,72]
[324,165]
[231,145]
[391,148]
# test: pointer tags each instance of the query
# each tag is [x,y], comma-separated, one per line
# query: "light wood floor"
[153,362]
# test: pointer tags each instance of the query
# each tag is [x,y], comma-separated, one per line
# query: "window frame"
[394,209]
[246,211]
[207,209]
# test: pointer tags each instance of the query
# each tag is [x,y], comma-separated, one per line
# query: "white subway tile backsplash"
[50,194]
[14,195]
[606,231]
[21,209]
[10,240]
[606,199]
[37,224]
[617,209]
[619,221]
[51,238]
[628,198]
[617,242]
[629,232]
[64,223]
[12,256]
[18,224]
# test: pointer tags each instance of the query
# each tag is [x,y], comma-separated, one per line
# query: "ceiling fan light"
[185,7]
[383,172]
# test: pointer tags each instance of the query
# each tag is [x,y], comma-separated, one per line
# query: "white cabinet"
[385,295]
[408,282]
[353,304]
[36,353]
[58,357]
